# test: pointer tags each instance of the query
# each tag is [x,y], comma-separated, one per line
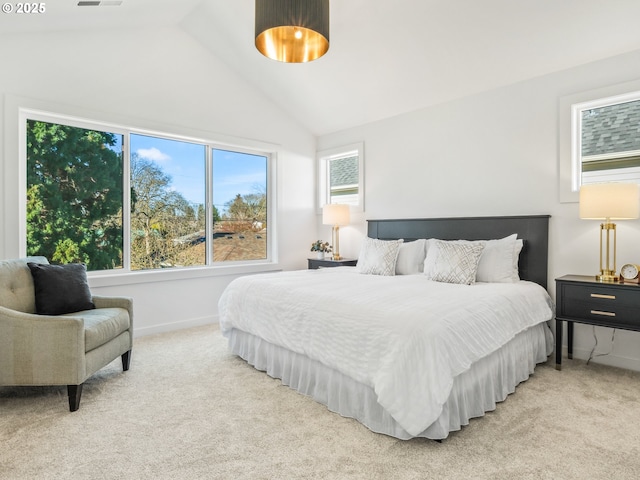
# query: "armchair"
[57,349]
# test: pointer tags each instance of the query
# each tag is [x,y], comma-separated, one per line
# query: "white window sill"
[114,278]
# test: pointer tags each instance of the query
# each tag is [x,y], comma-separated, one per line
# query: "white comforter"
[404,336]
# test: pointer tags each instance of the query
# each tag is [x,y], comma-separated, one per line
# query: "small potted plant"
[320,248]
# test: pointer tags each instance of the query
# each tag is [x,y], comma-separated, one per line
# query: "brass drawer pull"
[605,314]
[600,295]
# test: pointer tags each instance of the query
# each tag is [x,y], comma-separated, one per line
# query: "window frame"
[569,143]
[324,157]
[577,110]
[125,275]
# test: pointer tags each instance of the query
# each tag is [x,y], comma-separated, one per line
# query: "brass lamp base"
[607,268]
[335,237]
[607,276]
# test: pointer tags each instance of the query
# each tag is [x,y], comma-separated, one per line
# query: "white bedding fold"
[404,336]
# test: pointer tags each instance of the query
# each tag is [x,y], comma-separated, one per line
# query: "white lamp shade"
[335,214]
[615,201]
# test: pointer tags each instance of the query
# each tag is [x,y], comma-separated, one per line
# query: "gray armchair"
[57,349]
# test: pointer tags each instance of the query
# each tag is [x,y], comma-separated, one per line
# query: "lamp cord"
[591,355]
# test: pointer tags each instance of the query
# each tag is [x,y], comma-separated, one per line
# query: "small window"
[341,176]
[610,143]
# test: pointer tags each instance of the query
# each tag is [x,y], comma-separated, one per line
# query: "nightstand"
[582,299]
[315,263]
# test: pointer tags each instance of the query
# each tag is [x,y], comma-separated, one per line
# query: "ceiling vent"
[100,3]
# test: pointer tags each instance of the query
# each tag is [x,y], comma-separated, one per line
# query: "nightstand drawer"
[600,295]
[598,313]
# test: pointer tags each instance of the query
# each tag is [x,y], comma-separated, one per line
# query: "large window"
[115,198]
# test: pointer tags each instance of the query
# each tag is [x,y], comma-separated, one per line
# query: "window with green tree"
[74,195]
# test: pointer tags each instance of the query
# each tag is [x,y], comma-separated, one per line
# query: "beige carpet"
[187,409]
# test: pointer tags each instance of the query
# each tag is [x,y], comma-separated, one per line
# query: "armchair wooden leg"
[75,392]
[126,360]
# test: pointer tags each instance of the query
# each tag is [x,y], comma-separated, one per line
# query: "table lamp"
[335,215]
[609,201]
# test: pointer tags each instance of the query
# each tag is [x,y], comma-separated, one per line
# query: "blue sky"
[185,163]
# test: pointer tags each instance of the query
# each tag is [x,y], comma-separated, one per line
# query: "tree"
[163,223]
[74,195]
[201,211]
[215,214]
[248,208]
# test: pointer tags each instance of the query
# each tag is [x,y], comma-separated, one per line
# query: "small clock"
[630,272]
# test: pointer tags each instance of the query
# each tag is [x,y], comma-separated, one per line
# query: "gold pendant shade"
[292,31]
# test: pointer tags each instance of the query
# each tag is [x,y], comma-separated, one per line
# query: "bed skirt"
[474,392]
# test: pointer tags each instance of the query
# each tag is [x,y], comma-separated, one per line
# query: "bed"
[395,343]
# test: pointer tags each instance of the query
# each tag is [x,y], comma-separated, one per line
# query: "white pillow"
[496,263]
[378,257]
[452,261]
[411,257]
[515,276]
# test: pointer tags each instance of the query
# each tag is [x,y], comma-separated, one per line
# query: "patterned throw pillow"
[453,262]
[378,257]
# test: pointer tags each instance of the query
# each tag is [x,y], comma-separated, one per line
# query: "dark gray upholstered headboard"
[533,229]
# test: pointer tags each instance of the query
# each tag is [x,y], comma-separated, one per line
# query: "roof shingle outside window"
[344,171]
[611,129]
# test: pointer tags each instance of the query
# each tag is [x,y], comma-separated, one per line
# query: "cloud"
[153,154]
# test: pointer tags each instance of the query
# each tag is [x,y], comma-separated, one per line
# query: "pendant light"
[292,31]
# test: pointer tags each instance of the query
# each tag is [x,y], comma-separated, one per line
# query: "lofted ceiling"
[386,57]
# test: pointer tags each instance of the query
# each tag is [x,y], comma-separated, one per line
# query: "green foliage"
[216,214]
[320,246]
[74,195]
[67,251]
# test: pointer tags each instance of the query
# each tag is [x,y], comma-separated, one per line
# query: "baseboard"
[610,359]
[171,326]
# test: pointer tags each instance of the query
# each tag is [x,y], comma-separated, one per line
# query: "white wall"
[495,153]
[164,80]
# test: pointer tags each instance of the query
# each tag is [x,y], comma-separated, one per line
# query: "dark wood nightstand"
[582,299]
[315,263]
